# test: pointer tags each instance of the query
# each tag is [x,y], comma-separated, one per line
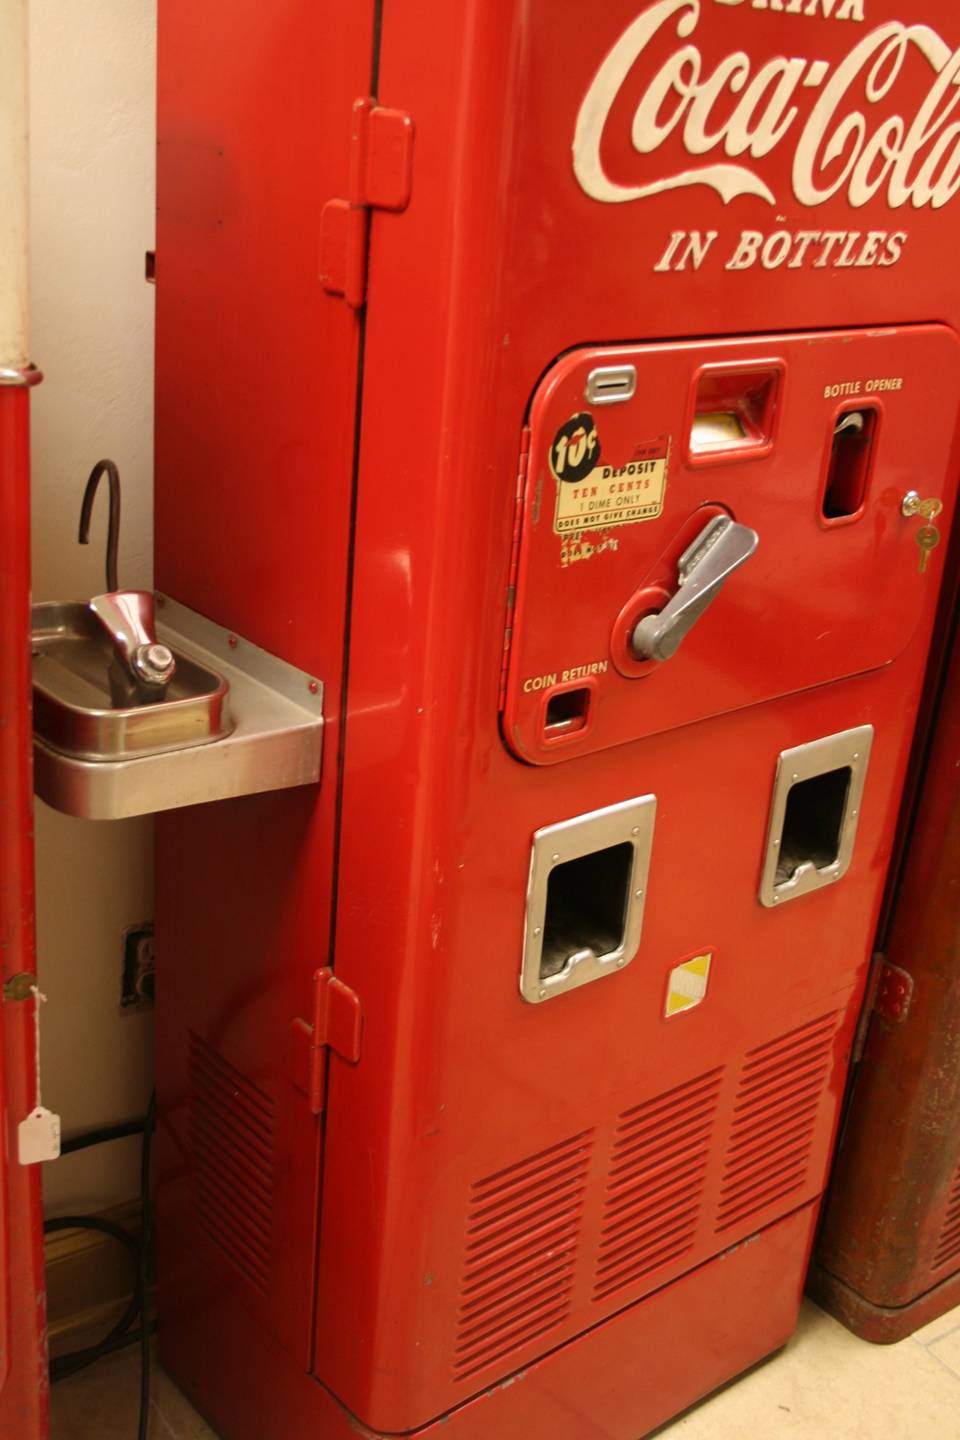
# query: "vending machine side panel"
[257,388]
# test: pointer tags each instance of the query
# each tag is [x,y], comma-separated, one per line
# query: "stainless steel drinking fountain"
[140,704]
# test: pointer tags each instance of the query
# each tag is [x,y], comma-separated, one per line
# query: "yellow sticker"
[609,495]
[688,984]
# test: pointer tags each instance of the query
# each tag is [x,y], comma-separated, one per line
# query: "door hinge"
[889,994]
[878,963]
[381,174]
[894,994]
[336,1024]
[522,472]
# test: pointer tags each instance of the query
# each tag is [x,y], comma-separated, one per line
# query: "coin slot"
[566,713]
[610,383]
[849,465]
[586,908]
[813,824]
[734,411]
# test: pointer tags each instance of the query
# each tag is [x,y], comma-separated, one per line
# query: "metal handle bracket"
[721,548]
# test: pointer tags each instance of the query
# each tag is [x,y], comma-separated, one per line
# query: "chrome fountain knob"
[154,663]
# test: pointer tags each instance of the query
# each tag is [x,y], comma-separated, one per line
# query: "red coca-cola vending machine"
[570,395]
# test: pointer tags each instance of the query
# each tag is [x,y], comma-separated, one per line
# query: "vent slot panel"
[655,1184]
[523,1234]
[775,1119]
[232,1141]
[948,1244]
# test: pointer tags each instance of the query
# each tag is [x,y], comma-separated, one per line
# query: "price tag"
[39,1137]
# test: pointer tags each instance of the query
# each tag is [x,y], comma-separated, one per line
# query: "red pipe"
[23,1358]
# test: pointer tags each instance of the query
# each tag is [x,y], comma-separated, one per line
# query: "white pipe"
[14,338]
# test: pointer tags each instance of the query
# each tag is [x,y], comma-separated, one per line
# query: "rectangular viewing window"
[586,905]
[733,411]
[814,814]
[848,471]
[585,897]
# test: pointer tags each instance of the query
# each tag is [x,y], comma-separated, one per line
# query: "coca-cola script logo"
[746,113]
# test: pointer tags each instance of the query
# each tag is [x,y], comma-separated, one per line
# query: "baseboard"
[881,1324]
[90,1278]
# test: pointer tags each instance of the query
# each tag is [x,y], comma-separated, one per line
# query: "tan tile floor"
[827,1383]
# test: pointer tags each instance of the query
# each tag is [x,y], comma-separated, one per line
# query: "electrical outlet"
[137,979]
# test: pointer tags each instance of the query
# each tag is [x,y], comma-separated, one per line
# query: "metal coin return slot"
[851,454]
[566,713]
[816,808]
[585,897]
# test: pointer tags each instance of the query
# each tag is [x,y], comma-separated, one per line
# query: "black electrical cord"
[100,1351]
[122,1131]
[121,1335]
[69,1364]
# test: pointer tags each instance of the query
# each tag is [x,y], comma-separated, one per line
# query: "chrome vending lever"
[721,547]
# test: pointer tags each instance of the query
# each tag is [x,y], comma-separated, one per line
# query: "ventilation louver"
[523,1232]
[232,1143]
[775,1118]
[655,1184]
[948,1244]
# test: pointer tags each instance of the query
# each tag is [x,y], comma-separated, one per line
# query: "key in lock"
[914,504]
[928,536]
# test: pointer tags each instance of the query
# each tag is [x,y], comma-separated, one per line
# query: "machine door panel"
[590,1142]
[707,526]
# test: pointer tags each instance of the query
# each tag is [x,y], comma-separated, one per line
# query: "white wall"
[93,134]
[13,184]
